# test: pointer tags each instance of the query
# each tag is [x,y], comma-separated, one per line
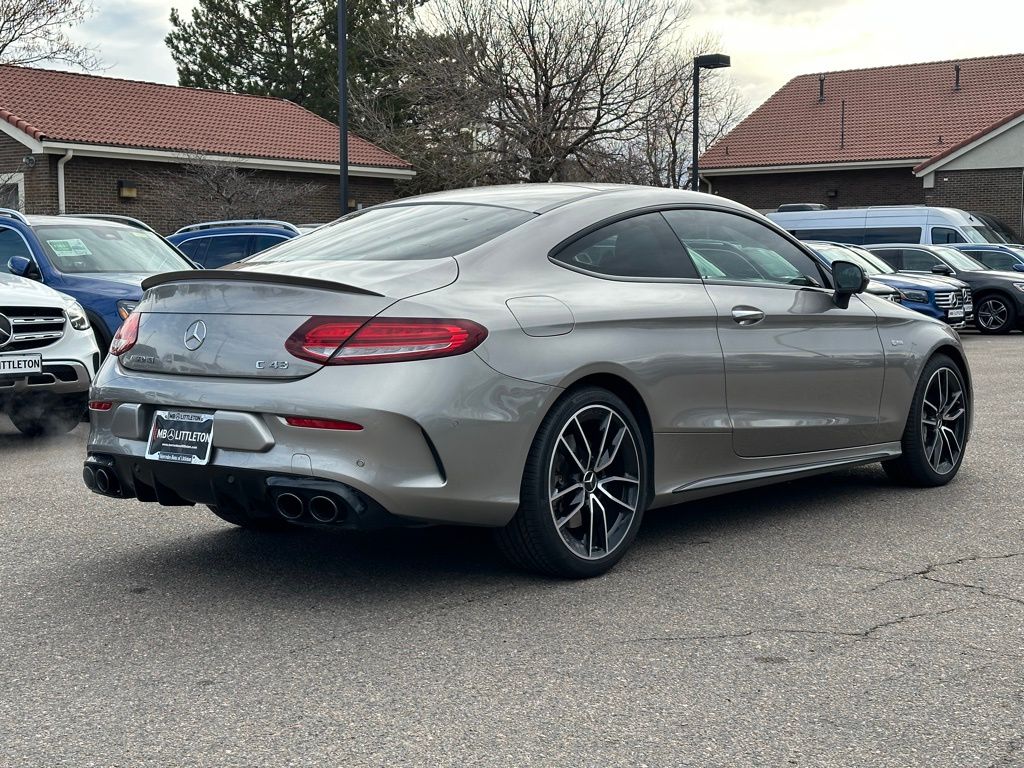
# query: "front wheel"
[995,314]
[584,489]
[935,436]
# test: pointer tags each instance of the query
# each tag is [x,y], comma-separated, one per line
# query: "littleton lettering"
[163,433]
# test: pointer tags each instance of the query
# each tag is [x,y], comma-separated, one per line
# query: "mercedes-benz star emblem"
[195,335]
[6,331]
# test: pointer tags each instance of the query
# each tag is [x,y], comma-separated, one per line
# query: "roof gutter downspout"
[61,201]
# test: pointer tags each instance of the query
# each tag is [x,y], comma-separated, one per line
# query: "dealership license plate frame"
[181,441]
[20,373]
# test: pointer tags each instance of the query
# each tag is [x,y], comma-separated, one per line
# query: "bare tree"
[203,188]
[543,90]
[36,31]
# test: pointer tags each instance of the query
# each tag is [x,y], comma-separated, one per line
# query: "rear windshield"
[398,233]
[79,248]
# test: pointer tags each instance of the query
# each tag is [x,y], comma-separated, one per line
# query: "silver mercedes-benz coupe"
[549,360]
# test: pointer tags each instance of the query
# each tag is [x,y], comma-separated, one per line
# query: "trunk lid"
[234,323]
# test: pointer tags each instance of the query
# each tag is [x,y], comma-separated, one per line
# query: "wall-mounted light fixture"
[127,190]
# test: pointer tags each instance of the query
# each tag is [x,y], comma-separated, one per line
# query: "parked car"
[304,228]
[98,261]
[1006,258]
[213,244]
[715,259]
[998,296]
[944,298]
[543,359]
[48,357]
[888,224]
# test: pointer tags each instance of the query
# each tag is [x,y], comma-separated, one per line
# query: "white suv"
[48,357]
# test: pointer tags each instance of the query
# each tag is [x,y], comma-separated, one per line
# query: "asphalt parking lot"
[831,621]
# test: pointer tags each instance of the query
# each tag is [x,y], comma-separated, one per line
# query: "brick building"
[947,133]
[85,144]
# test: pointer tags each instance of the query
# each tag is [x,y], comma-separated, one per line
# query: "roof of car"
[35,220]
[540,197]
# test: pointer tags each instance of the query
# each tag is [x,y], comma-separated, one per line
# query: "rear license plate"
[955,314]
[181,437]
[20,365]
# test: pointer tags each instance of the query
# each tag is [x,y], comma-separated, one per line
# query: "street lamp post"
[342,107]
[706,61]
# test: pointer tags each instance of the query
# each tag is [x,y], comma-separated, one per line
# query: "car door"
[801,374]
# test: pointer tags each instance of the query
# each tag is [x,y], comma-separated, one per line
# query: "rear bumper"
[442,441]
[263,494]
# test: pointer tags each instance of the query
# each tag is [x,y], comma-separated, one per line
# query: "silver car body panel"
[725,405]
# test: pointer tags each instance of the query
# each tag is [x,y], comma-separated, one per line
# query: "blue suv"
[99,260]
[944,298]
[1006,258]
[213,244]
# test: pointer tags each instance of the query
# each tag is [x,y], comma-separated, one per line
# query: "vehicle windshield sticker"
[73,247]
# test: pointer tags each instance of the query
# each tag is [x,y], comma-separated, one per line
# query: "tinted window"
[890,256]
[193,248]
[11,244]
[398,233]
[892,235]
[918,261]
[947,235]
[742,249]
[642,246]
[994,260]
[852,236]
[262,242]
[225,249]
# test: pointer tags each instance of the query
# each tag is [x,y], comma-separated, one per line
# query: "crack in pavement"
[862,634]
[927,574]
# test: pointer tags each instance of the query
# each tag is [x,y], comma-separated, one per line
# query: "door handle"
[747,315]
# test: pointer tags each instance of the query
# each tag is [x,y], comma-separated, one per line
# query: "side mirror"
[941,269]
[848,279]
[1018,267]
[19,265]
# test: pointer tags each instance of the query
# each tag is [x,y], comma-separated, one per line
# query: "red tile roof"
[87,109]
[909,112]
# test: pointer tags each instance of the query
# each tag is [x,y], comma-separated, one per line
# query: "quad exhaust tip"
[290,506]
[323,509]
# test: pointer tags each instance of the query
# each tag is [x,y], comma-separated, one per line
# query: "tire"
[995,314]
[249,521]
[47,416]
[934,404]
[611,479]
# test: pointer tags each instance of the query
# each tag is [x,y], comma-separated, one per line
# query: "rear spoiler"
[251,277]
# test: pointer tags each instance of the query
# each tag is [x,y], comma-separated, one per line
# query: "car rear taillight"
[126,335]
[354,341]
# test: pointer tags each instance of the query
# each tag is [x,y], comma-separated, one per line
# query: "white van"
[888,224]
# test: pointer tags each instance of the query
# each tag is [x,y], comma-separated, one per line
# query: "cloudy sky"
[770,41]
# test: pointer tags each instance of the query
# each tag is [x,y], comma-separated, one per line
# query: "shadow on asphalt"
[330,564]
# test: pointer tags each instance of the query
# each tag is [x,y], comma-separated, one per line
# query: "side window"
[262,242]
[641,246]
[11,244]
[994,259]
[225,249]
[194,248]
[946,235]
[892,235]
[890,256]
[918,261]
[849,236]
[741,248]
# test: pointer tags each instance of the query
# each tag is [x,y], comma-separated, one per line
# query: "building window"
[12,191]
